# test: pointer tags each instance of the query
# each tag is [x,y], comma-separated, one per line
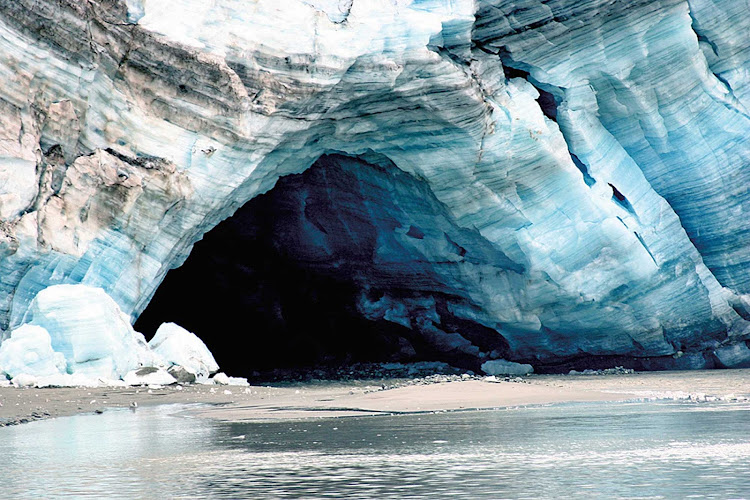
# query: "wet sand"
[340,399]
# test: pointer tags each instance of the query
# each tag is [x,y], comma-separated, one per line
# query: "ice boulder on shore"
[178,346]
[29,351]
[87,327]
[503,367]
[149,376]
[76,335]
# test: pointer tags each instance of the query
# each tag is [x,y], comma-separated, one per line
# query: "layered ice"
[600,147]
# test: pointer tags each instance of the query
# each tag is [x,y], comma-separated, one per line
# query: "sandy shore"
[339,399]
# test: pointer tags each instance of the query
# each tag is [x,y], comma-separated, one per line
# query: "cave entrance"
[333,266]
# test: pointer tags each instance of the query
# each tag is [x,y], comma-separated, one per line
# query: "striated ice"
[178,346]
[600,147]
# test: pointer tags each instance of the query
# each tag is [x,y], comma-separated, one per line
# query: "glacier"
[546,182]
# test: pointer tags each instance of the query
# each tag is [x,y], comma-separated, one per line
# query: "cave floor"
[367,397]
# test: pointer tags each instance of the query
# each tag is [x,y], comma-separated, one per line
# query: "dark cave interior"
[280,284]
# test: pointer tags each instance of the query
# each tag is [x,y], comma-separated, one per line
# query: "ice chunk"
[238,381]
[24,380]
[29,351]
[149,376]
[178,346]
[223,379]
[88,328]
[503,367]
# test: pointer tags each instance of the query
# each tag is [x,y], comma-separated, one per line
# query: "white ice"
[29,351]
[178,346]
[89,330]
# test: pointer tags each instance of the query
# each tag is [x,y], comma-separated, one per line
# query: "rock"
[181,374]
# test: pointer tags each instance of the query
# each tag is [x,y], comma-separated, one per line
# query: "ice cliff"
[539,181]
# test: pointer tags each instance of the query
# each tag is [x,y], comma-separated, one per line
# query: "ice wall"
[599,146]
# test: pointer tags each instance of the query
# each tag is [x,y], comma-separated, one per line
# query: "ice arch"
[352,260]
[552,129]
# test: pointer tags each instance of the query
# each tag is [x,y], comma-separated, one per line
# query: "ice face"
[178,346]
[600,146]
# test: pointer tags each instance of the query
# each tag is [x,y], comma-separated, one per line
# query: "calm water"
[602,450]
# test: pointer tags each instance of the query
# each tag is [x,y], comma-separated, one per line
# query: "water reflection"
[654,450]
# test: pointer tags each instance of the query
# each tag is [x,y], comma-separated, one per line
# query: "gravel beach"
[319,399]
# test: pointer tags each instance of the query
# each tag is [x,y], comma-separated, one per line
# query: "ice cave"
[553,183]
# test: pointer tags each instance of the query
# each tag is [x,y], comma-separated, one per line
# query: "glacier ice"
[77,335]
[29,351]
[177,346]
[87,327]
[601,147]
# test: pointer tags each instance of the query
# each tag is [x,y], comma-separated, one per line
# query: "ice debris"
[76,335]
[88,328]
[177,346]
[223,379]
[503,367]
[149,376]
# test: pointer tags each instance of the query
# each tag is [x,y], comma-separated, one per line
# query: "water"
[600,450]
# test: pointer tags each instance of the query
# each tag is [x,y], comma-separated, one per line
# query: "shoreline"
[335,399]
